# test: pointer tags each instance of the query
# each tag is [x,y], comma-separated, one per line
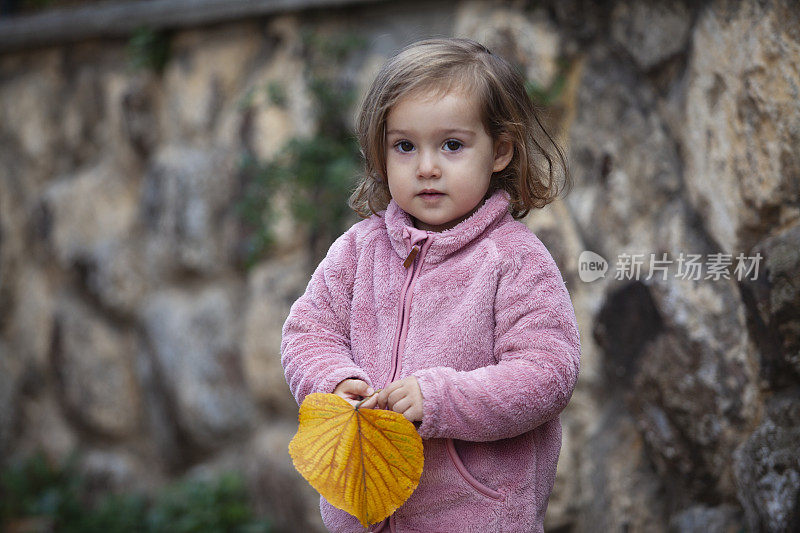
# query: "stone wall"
[131,332]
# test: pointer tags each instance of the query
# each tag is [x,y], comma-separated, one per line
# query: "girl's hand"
[402,396]
[353,390]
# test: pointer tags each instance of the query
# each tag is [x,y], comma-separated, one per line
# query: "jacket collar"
[403,235]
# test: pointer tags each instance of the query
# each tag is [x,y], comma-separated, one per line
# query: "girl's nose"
[428,166]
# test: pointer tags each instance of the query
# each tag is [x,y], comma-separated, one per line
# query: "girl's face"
[440,159]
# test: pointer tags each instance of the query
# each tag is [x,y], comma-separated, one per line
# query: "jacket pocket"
[469,478]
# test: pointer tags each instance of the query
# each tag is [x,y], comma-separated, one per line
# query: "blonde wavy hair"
[438,66]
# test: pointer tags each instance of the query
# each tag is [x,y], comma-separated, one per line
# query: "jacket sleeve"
[537,346]
[315,342]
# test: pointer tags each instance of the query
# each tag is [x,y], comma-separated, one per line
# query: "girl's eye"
[452,145]
[404,146]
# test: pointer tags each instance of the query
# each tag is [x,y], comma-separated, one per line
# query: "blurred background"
[171,171]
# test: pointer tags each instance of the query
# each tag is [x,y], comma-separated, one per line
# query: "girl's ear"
[503,152]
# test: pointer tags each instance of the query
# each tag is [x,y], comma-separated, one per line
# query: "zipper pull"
[411,256]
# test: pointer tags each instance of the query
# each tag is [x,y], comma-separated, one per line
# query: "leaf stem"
[367,398]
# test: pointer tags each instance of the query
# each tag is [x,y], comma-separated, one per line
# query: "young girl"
[440,299]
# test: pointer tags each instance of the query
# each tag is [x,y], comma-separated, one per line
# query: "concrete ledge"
[121,18]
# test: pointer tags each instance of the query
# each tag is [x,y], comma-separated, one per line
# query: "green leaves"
[316,173]
[38,494]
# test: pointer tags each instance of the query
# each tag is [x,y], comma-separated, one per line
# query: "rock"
[135,102]
[775,294]
[632,26]
[30,322]
[580,20]
[276,489]
[681,419]
[767,467]
[206,69]
[161,439]
[684,346]
[82,115]
[280,491]
[97,239]
[702,308]
[702,519]
[114,471]
[43,427]
[740,140]
[623,176]
[621,492]
[80,226]
[185,199]
[693,395]
[697,391]
[271,125]
[10,373]
[528,40]
[273,286]
[624,325]
[29,105]
[194,341]
[25,346]
[117,275]
[265,126]
[93,361]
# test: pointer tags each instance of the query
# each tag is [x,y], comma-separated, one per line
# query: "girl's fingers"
[380,400]
[395,396]
[364,389]
[401,405]
[347,386]
[353,391]
[407,408]
[370,403]
[413,414]
[409,414]
[357,386]
[383,396]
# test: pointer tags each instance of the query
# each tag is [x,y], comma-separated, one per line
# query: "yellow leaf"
[364,461]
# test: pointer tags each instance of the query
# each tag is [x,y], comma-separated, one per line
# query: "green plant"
[148,49]
[47,497]
[547,96]
[277,94]
[35,488]
[315,173]
[195,506]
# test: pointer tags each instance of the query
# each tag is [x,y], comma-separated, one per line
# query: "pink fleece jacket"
[481,316]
